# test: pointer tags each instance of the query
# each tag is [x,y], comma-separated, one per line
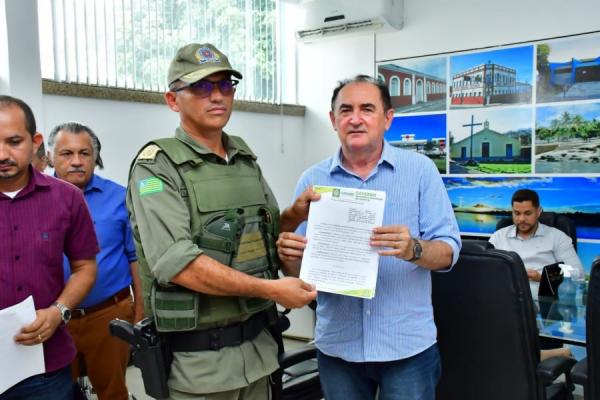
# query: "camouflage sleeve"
[159,216]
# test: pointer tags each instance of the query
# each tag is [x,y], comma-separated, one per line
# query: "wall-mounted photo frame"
[425,134]
[480,202]
[490,141]
[568,69]
[416,85]
[516,116]
[491,78]
[567,139]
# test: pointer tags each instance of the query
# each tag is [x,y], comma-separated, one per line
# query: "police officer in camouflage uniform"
[205,223]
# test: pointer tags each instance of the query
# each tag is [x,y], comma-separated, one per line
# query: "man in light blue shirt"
[388,342]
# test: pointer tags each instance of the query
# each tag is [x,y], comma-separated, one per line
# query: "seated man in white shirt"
[537,244]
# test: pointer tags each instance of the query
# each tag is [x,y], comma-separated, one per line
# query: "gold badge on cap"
[205,54]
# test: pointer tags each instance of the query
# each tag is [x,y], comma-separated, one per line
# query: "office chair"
[487,332]
[549,218]
[587,371]
[297,377]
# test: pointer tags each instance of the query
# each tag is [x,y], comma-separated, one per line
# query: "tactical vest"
[230,222]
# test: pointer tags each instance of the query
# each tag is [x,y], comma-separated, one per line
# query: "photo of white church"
[490,141]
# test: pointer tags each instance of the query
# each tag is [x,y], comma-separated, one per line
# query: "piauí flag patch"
[205,54]
[150,185]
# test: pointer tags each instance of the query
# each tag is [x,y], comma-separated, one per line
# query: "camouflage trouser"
[259,390]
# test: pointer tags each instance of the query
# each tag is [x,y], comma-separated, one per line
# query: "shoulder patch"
[150,185]
[149,153]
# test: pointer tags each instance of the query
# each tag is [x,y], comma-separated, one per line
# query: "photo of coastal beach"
[479,203]
[568,139]
[587,252]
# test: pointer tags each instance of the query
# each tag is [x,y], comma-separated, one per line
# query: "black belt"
[217,338]
[114,299]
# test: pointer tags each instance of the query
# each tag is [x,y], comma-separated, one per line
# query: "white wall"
[123,127]
[434,27]
[320,66]
[430,27]
[20,74]
[4,62]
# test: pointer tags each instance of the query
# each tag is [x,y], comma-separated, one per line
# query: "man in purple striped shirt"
[40,219]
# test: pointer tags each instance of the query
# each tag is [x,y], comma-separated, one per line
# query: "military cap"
[196,61]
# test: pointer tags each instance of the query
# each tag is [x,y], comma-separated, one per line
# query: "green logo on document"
[150,185]
[335,193]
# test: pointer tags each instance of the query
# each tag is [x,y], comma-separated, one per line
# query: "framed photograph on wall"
[415,85]
[567,139]
[480,202]
[491,78]
[425,134]
[568,69]
[513,116]
[490,141]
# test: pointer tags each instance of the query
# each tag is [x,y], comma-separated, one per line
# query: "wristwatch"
[65,312]
[417,250]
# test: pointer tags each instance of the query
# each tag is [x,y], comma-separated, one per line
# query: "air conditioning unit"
[323,18]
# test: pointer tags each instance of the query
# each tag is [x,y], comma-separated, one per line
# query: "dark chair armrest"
[579,372]
[293,357]
[551,368]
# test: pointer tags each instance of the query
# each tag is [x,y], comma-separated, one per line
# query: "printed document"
[338,257]
[17,361]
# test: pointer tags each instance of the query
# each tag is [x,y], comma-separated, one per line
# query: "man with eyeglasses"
[205,222]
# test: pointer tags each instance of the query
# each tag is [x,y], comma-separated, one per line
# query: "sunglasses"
[203,88]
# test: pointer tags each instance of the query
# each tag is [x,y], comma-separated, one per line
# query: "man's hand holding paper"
[338,256]
[395,238]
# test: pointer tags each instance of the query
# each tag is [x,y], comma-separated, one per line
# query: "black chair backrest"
[549,218]
[487,333]
[593,332]
[298,376]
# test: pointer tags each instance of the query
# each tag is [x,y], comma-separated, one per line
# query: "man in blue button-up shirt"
[388,342]
[74,152]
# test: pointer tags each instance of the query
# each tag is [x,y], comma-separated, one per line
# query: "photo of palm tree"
[568,139]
